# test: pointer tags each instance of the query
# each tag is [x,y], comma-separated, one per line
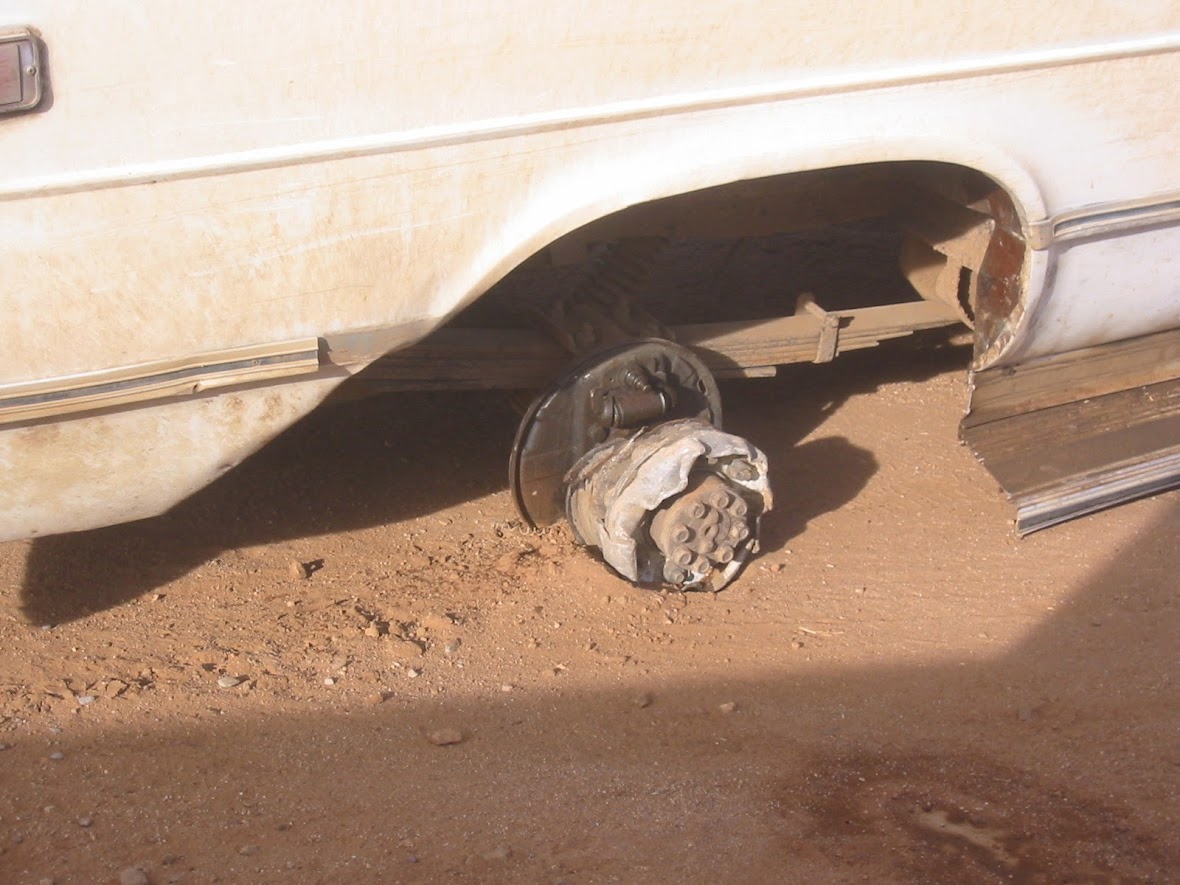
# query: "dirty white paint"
[79,473]
[270,171]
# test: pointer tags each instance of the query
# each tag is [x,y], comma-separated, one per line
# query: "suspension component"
[604,398]
[627,446]
[679,502]
[599,311]
[701,529]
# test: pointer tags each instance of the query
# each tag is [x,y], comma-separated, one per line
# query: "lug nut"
[674,574]
[697,510]
[724,554]
[741,471]
[739,508]
[683,533]
[683,556]
[740,531]
[720,500]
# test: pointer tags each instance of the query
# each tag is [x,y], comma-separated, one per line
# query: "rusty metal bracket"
[945,249]
[829,327]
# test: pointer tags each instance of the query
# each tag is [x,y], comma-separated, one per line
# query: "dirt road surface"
[897,690]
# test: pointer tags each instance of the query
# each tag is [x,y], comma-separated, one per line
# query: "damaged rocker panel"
[1072,434]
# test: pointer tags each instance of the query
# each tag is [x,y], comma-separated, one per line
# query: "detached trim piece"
[161,379]
[1074,434]
[1090,493]
[1083,374]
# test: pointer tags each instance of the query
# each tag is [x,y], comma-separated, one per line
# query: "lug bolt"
[674,574]
[739,508]
[741,471]
[724,554]
[740,531]
[683,556]
[697,510]
[720,500]
[683,533]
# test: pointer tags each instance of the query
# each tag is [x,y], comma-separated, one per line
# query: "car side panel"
[278,171]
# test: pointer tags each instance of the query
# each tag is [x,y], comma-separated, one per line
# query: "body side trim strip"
[127,385]
[1105,219]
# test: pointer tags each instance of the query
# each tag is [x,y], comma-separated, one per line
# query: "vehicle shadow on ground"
[380,461]
[1053,761]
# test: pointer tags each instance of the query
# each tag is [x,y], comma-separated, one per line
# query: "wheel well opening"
[825,243]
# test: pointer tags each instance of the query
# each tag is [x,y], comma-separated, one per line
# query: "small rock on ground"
[445,736]
[134,876]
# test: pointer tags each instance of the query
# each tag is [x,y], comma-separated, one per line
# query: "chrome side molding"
[157,380]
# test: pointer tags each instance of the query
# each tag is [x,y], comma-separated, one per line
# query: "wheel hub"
[627,446]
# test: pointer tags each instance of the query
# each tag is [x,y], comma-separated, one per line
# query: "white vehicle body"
[220,210]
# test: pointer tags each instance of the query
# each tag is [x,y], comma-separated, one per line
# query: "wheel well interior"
[853,236]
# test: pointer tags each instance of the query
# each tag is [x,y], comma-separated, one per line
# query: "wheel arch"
[582,195]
